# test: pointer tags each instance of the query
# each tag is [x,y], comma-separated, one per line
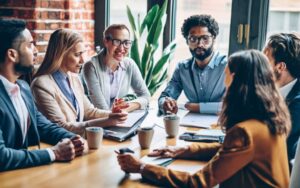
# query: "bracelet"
[142,167]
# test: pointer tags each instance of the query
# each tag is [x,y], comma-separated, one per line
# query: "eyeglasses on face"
[118,42]
[206,39]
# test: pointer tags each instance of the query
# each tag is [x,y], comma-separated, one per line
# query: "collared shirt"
[14,93]
[115,80]
[62,81]
[287,88]
[203,86]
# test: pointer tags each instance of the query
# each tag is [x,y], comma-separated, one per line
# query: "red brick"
[57,4]
[44,4]
[44,15]
[54,26]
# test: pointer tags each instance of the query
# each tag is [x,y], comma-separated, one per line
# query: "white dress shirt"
[14,93]
[287,88]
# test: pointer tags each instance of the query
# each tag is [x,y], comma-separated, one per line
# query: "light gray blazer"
[98,82]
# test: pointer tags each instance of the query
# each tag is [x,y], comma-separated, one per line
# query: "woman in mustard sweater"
[256,121]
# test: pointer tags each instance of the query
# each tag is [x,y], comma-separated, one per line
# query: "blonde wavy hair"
[60,43]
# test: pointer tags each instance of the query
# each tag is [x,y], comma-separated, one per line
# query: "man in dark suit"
[21,125]
[283,52]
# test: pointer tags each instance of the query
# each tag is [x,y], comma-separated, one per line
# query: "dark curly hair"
[253,94]
[200,20]
[285,48]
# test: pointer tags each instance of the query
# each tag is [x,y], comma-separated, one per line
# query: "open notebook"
[124,131]
[198,120]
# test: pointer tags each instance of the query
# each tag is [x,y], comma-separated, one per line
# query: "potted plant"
[153,70]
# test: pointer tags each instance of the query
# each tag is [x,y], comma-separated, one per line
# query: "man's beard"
[201,57]
[23,69]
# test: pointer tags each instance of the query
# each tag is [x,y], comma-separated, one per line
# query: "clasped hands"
[131,164]
[69,148]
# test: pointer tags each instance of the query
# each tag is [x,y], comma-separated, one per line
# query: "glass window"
[220,10]
[118,13]
[284,16]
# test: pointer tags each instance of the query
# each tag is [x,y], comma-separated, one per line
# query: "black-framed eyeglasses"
[118,42]
[206,39]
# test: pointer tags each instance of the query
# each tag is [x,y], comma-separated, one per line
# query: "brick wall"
[45,16]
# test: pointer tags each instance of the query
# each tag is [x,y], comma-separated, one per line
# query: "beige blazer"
[249,157]
[51,101]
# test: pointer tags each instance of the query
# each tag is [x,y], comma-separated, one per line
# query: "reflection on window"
[284,16]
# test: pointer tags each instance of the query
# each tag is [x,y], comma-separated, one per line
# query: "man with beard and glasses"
[21,125]
[200,77]
[283,52]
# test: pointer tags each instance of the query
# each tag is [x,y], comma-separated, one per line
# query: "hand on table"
[170,105]
[64,150]
[129,163]
[80,145]
[169,151]
[192,107]
[119,105]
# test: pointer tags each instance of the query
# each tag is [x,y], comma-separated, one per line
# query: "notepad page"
[198,120]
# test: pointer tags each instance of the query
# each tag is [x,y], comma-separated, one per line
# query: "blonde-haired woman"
[58,92]
[110,74]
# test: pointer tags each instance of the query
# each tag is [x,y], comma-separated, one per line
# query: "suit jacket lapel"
[78,97]
[4,95]
[294,92]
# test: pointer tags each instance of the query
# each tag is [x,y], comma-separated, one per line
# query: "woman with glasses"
[58,92]
[256,121]
[111,74]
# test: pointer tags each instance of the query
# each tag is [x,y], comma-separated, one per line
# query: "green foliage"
[154,71]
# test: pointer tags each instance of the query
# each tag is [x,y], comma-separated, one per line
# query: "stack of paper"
[198,120]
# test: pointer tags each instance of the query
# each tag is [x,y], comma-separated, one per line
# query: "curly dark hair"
[285,48]
[253,94]
[200,20]
[10,31]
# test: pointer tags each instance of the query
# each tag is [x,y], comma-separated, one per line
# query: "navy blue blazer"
[293,102]
[13,152]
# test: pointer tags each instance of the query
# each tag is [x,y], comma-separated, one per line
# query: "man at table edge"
[21,124]
[200,77]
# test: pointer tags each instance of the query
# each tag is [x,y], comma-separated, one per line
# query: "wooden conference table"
[99,168]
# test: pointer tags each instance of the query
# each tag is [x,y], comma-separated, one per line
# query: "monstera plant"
[143,52]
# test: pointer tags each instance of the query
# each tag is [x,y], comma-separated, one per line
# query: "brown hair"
[60,43]
[253,94]
[285,47]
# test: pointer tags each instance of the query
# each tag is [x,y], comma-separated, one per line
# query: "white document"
[198,120]
[210,132]
[155,160]
[132,118]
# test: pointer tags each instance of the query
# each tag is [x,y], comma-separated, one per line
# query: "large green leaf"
[148,76]
[134,52]
[158,24]
[148,20]
[146,58]
[131,18]
[153,71]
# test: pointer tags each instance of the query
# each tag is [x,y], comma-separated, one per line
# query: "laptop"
[128,129]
